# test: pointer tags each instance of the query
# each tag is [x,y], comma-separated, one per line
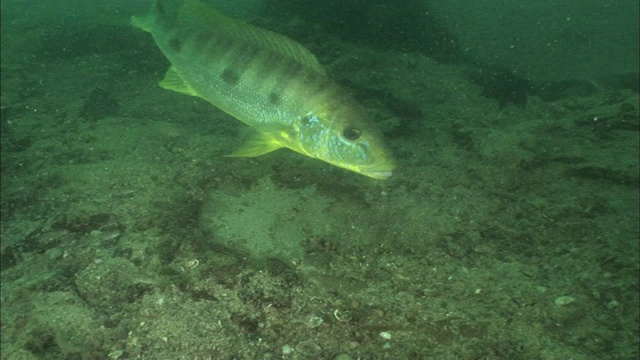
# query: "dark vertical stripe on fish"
[176,42]
[283,74]
[230,76]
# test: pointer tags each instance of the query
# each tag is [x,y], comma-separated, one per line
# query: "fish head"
[345,140]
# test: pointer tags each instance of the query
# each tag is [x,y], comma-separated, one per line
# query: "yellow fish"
[267,81]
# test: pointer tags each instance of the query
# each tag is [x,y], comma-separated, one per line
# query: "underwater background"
[509,229]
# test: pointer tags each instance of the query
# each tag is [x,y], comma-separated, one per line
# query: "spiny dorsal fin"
[199,15]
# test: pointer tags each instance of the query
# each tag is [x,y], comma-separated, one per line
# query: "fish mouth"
[379,174]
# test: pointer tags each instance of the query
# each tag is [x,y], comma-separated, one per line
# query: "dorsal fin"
[198,15]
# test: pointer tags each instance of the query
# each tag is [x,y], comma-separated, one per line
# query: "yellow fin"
[142,22]
[173,81]
[202,16]
[261,144]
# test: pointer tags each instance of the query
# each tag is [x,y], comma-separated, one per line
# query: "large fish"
[267,81]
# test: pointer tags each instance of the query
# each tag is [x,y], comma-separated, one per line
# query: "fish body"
[267,81]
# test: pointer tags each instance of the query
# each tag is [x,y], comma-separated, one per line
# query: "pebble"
[564,300]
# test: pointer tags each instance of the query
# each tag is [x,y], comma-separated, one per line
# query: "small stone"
[286,349]
[54,253]
[192,264]
[314,321]
[564,300]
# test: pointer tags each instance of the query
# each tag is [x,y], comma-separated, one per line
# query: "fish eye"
[351,134]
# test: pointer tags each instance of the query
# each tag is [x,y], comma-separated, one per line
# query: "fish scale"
[267,81]
[240,70]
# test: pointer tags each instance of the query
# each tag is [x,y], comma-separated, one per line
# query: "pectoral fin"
[261,144]
[172,81]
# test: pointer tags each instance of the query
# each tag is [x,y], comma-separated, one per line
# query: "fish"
[267,81]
